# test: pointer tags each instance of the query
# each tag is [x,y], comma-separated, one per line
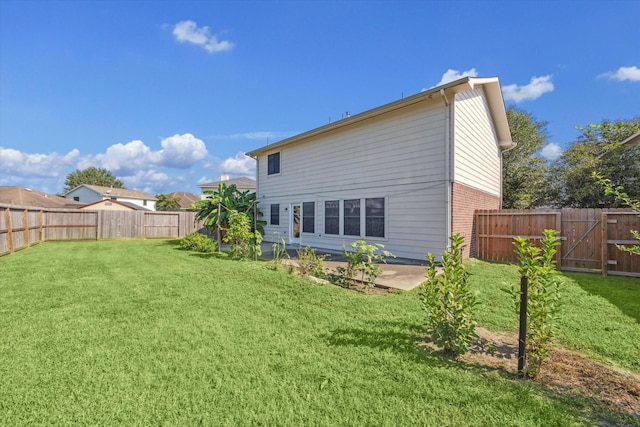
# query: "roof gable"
[492,92]
[115,192]
[22,196]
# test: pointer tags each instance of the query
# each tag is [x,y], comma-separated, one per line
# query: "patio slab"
[405,274]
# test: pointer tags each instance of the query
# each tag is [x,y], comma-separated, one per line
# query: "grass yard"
[141,333]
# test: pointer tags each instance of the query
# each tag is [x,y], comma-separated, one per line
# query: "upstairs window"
[76,198]
[273,164]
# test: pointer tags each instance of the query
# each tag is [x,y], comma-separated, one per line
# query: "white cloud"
[188,32]
[134,162]
[181,151]
[453,75]
[21,164]
[536,88]
[149,181]
[551,151]
[178,151]
[622,74]
[241,164]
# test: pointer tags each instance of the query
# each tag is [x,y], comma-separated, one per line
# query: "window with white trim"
[332,217]
[351,217]
[273,163]
[308,217]
[275,214]
[374,217]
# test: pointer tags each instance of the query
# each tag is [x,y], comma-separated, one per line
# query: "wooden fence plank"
[588,237]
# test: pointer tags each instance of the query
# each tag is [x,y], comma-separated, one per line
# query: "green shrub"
[310,263]
[198,242]
[448,301]
[538,265]
[243,241]
[364,259]
[279,250]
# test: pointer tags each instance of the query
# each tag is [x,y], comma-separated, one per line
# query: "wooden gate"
[588,237]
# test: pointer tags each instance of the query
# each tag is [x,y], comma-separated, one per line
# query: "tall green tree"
[91,176]
[167,202]
[598,148]
[524,171]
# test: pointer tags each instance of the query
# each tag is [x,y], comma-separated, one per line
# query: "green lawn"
[141,333]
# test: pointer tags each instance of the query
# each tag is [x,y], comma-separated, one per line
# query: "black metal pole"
[522,338]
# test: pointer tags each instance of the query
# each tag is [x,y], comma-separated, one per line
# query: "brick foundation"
[465,200]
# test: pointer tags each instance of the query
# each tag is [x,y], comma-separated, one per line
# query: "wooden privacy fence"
[589,237]
[21,226]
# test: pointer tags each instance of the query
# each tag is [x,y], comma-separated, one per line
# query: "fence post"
[25,224]
[7,220]
[40,234]
[604,247]
[522,338]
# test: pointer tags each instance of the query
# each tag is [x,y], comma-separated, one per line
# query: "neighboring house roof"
[242,183]
[632,141]
[185,199]
[22,196]
[493,93]
[116,192]
[100,203]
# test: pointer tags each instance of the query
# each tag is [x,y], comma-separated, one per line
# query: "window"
[76,198]
[332,217]
[374,213]
[144,203]
[308,217]
[275,214]
[273,164]
[352,217]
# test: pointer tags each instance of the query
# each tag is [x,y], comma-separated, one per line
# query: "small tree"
[244,242]
[538,265]
[622,197]
[91,176]
[214,211]
[448,301]
[365,258]
[167,202]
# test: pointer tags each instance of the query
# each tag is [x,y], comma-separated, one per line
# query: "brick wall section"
[465,200]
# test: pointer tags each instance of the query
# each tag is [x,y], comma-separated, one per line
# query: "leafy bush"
[448,301]
[279,250]
[198,242]
[310,263]
[538,265]
[364,259]
[243,241]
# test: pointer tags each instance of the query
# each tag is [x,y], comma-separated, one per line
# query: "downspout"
[447,163]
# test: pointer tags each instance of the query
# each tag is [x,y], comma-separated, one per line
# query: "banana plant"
[214,212]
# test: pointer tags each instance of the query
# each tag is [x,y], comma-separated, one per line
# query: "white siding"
[85,194]
[476,156]
[399,156]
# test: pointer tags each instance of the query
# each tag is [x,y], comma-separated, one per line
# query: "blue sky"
[167,95]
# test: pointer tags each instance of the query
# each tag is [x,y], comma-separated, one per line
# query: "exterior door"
[294,232]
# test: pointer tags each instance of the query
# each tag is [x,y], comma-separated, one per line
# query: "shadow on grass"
[623,292]
[408,339]
[171,242]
